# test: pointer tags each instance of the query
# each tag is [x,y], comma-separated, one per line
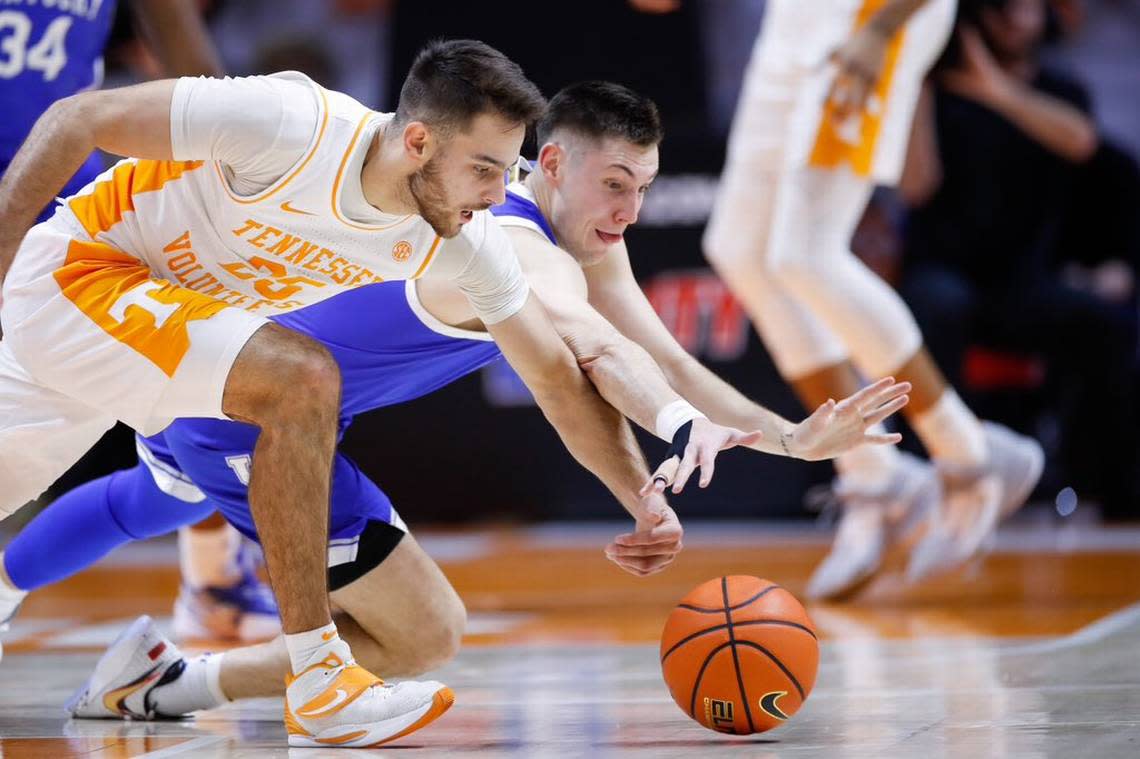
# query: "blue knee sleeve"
[87,523]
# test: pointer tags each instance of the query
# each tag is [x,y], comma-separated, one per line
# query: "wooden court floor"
[1034,652]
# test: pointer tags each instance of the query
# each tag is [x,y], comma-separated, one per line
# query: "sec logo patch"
[401,251]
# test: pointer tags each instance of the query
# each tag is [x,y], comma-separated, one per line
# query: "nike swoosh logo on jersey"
[341,697]
[290,209]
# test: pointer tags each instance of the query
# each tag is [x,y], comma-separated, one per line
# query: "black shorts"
[377,541]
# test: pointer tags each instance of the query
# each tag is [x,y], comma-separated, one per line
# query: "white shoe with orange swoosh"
[336,703]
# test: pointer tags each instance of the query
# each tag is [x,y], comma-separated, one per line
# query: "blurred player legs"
[796,181]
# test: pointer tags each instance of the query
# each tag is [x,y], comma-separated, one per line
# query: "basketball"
[739,654]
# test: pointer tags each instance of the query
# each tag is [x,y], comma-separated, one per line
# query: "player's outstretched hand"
[838,427]
[653,544]
[706,439]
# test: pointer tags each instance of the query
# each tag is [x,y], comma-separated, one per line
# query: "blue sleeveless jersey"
[520,206]
[389,351]
[49,49]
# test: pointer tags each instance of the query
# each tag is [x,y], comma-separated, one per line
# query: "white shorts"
[782,120]
[91,336]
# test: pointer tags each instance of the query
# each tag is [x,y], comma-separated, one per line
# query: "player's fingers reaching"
[866,395]
[883,412]
[662,478]
[688,464]
[656,566]
[820,418]
[881,395]
[649,538]
[882,438]
[706,459]
[641,565]
[617,550]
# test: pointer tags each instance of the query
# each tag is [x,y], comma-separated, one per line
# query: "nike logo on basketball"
[768,704]
[290,209]
[341,697]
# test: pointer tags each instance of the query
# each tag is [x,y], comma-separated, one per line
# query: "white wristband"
[673,416]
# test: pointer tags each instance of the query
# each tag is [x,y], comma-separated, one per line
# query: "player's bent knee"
[312,377]
[795,273]
[438,636]
[733,258]
[280,373]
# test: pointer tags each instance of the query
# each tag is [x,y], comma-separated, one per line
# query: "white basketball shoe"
[976,500]
[140,660]
[871,520]
[336,703]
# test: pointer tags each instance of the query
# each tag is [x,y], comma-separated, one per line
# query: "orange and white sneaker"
[336,703]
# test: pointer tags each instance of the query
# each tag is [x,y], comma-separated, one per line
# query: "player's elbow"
[600,357]
[74,112]
[84,115]
[559,388]
[559,383]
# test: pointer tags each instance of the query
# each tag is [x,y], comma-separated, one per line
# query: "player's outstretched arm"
[831,430]
[595,433]
[127,121]
[624,373]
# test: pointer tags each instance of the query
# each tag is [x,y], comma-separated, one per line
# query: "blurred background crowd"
[1015,244]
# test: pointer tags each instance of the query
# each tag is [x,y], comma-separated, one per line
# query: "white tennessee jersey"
[290,243]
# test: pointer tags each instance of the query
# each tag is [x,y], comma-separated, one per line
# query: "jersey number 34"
[48,55]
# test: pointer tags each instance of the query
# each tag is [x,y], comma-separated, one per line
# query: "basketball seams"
[775,660]
[715,628]
[741,605]
[735,655]
[700,676]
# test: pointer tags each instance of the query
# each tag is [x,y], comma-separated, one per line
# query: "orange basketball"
[739,654]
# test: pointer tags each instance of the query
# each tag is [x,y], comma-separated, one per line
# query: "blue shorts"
[212,457]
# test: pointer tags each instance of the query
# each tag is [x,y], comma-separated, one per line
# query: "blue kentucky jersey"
[519,204]
[389,350]
[49,49]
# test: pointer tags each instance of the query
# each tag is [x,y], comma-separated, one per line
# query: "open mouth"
[466,216]
[608,238]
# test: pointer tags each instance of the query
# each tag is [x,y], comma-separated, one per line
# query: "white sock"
[10,595]
[198,687]
[209,558]
[868,466]
[951,432]
[306,647]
